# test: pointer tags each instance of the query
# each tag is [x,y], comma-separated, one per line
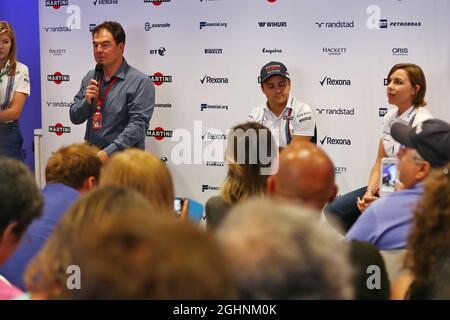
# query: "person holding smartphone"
[406,91]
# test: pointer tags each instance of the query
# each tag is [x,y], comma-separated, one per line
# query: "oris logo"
[59,129]
[335,25]
[280,24]
[156,2]
[57,77]
[334,51]
[159,133]
[212,80]
[340,170]
[161,51]
[335,141]
[56,4]
[399,51]
[335,82]
[158,78]
[206,187]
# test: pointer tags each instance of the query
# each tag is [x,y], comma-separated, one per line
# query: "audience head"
[76,166]
[251,157]
[305,175]
[280,251]
[20,203]
[144,173]
[7,33]
[425,146]
[429,239]
[415,79]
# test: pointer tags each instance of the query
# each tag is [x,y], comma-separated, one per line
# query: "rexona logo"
[56,4]
[334,51]
[382,111]
[213,51]
[335,82]
[159,133]
[212,80]
[58,77]
[59,129]
[210,136]
[161,51]
[58,104]
[204,106]
[104,2]
[163,105]
[278,24]
[57,52]
[158,78]
[336,141]
[272,51]
[148,25]
[205,24]
[399,51]
[336,25]
[337,111]
[206,187]
[156,2]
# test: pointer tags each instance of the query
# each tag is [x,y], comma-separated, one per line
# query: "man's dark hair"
[20,199]
[114,27]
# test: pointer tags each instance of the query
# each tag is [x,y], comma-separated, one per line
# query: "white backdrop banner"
[205,57]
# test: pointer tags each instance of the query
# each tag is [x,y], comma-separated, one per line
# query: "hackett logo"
[58,77]
[158,78]
[159,133]
[59,129]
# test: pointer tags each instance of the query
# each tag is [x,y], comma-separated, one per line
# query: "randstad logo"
[156,2]
[56,4]
[58,29]
[204,106]
[335,82]
[58,104]
[206,187]
[205,24]
[105,2]
[59,129]
[212,80]
[148,25]
[336,141]
[161,51]
[336,25]
[336,111]
[159,133]
[58,77]
[158,78]
[279,24]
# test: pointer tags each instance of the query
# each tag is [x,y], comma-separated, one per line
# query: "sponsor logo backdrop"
[204,58]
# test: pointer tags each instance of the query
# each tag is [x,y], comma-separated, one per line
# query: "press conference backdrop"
[205,55]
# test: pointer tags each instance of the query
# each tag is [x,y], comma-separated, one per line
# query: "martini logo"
[56,4]
[59,129]
[58,77]
[159,133]
[156,2]
[271,1]
[158,78]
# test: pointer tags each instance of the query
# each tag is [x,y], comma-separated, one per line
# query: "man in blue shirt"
[118,101]
[69,172]
[387,222]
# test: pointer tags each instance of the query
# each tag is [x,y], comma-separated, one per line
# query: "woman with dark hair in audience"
[406,91]
[250,155]
[14,90]
[429,240]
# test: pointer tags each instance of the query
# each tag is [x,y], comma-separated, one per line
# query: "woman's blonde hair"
[5,28]
[142,172]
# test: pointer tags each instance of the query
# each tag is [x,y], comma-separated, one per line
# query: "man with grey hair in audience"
[279,251]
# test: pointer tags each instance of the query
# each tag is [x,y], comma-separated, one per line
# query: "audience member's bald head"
[305,174]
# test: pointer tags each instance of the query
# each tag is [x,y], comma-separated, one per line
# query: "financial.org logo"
[335,82]
[161,51]
[336,25]
[206,187]
[335,141]
[334,51]
[272,51]
[204,106]
[214,80]
[400,51]
[148,26]
[205,24]
[382,111]
[336,111]
[213,51]
[279,24]
[105,2]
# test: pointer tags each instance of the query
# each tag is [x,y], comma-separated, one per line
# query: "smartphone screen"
[388,175]
[178,204]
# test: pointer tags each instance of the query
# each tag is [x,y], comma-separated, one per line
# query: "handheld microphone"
[97,77]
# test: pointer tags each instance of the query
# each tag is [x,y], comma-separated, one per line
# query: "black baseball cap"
[273,68]
[430,138]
